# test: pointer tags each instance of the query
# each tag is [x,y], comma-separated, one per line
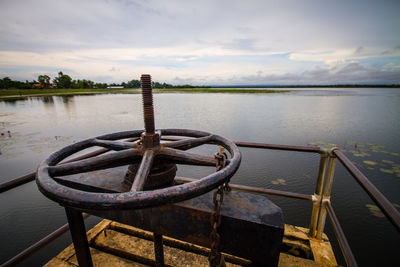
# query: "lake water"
[363,121]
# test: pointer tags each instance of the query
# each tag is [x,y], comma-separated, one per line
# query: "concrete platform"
[116,244]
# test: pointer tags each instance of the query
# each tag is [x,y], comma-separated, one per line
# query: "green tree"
[132,84]
[100,85]
[63,80]
[5,83]
[44,81]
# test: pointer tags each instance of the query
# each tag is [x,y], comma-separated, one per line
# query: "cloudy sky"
[203,42]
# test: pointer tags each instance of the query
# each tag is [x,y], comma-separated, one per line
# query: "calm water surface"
[362,121]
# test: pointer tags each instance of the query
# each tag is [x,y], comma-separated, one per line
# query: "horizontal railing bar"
[312,149]
[38,245]
[31,176]
[256,190]
[383,203]
[17,182]
[341,237]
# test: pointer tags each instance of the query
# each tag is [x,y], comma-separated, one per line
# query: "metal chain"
[215,257]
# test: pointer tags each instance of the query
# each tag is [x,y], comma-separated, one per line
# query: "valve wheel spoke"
[189,143]
[114,145]
[105,161]
[184,157]
[143,171]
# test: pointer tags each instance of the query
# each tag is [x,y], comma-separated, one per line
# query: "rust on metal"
[215,257]
[139,199]
[147,97]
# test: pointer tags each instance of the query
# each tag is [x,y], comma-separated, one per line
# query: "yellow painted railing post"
[317,197]
[326,193]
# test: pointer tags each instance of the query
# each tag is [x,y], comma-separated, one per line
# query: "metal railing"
[322,206]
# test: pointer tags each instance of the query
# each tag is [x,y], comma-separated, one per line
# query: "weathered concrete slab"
[297,242]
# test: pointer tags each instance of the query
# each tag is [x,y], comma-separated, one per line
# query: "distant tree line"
[7,83]
[156,85]
[65,81]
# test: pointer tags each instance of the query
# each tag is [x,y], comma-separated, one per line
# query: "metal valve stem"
[148,110]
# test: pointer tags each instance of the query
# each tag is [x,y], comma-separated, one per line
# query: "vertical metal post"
[326,195]
[158,250]
[79,238]
[317,197]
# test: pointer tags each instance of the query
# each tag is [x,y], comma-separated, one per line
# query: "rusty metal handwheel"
[127,153]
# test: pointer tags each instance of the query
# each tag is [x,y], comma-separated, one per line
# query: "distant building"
[38,85]
[115,87]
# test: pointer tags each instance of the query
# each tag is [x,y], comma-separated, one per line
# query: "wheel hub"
[161,175]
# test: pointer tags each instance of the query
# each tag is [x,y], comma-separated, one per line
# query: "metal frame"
[321,198]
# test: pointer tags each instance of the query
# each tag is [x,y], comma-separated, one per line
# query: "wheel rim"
[134,199]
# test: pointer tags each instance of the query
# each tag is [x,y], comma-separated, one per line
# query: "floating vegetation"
[362,154]
[322,144]
[370,152]
[376,211]
[370,162]
[386,170]
[14,144]
[279,182]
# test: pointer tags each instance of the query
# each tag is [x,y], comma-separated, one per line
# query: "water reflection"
[12,101]
[69,105]
[48,100]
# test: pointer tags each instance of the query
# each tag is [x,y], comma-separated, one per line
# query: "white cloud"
[202,41]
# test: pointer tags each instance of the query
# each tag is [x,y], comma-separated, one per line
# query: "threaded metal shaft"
[147,97]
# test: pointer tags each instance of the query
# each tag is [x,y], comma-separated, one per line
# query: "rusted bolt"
[147,97]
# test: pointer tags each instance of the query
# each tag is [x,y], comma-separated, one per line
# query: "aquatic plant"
[279,182]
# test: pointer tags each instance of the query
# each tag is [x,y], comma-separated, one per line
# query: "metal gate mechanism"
[243,224]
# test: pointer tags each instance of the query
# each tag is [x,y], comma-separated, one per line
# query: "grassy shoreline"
[19,93]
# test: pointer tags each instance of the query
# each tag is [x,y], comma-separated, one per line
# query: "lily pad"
[279,181]
[362,154]
[375,210]
[378,213]
[386,170]
[370,162]
[387,161]
[372,207]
